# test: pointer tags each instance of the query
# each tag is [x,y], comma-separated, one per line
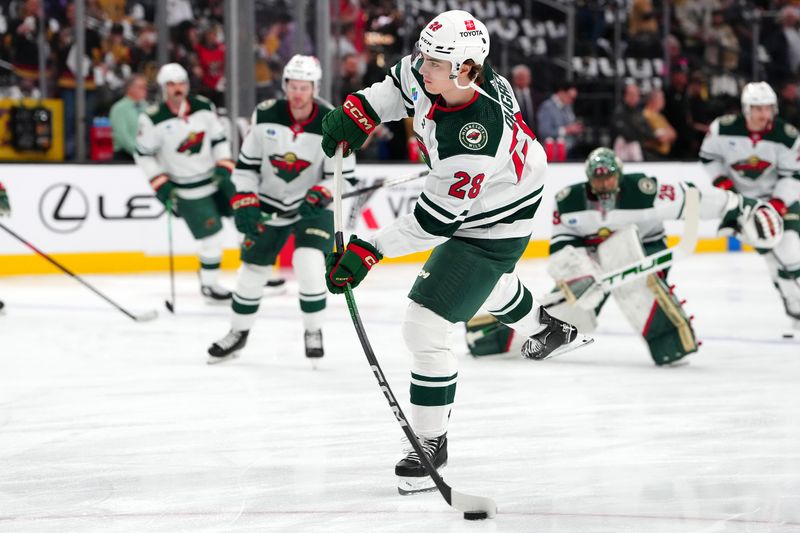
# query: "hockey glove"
[247,213]
[349,124]
[724,182]
[5,205]
[352,267]
[222,177]
[316,200]
[164,188]
[779,206]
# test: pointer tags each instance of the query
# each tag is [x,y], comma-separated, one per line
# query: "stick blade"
[467,503]
[147,317]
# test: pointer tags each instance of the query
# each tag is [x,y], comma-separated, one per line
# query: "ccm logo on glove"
[354,108]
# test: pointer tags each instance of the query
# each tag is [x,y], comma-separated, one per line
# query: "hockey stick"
[647,265]
[150,315]
[266,217]
[170,304]
[472,506]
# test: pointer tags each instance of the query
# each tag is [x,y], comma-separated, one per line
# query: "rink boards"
[104,218]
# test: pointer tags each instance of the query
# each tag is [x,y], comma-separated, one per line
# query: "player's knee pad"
[211,248]
[309,268]
[429,337]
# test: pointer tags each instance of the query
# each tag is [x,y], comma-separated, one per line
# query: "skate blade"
[579,342]
[213,360]
[407,486]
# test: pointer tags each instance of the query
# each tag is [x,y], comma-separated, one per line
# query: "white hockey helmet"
[758,93]
[303,68]
[171,72]
[455,36]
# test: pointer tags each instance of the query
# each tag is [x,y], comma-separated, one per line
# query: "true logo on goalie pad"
[613,279]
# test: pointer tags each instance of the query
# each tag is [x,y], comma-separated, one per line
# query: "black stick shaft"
[67,271]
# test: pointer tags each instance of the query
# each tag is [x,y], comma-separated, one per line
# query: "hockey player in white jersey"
[282,171]
[758,155]
[183,150]
[476,212]
[5,210]
[610,221]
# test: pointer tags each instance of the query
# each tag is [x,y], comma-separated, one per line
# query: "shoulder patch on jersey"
[200,103]
[151,110]
[790,130]
[563,193]
[266,104]
[727,120]
[647,185]
[473,136]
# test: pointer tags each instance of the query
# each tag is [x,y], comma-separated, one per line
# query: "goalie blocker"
[648,303]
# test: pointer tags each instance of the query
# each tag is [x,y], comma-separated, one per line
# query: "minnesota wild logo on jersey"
[288,166]
[752,167]
[192,144]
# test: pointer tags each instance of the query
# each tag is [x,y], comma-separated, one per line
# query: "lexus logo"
[63,208]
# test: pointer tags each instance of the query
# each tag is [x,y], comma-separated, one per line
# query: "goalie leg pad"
[647,303]
[309,267]
[576,275]
[434,369]
[247,296]
[488,336]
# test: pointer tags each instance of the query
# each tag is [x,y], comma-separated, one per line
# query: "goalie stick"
[144,317]
[647,265]
[472,506]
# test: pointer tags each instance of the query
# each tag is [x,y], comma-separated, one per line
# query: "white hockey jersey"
[281,159]
[186,148]
[582,220]
[487,169]
[760,166]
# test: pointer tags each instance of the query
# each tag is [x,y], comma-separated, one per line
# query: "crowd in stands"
[706,52]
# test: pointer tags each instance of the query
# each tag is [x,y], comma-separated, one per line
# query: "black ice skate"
[216,294]
[556,338]
[228,347]
[411,475]
[314,349]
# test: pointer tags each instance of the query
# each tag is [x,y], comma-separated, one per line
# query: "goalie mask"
[303,68]
[604,169]
[454,36]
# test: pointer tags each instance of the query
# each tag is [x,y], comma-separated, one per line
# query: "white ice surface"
[109,425]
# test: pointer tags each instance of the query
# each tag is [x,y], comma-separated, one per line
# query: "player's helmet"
[455,36]
[303,68]
[602,163]
[758,93]
[171,72]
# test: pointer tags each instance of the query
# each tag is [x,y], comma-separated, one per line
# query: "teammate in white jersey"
[758,155]
[612,220]
[184,152]
[5,210]
[282,171]
[476,212]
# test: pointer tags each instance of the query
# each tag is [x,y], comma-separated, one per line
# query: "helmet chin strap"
[472,85]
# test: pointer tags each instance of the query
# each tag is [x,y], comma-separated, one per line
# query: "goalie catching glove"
[353,265]
[758,223]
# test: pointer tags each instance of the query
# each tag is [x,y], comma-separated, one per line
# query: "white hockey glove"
[760,225]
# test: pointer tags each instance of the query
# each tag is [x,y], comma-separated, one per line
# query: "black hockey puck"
[476,515]
[277,282]
[788,335]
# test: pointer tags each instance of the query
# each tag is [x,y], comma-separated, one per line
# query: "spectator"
[125,118]
[643,30]
[691,17]
[790,16]
[350,72]
[69,67]
[24,46]
[211,58]
[556,118]
[722,46]
[664,134]
[630,128]
[521,83]
[701,110]
[789,102]
[676,111]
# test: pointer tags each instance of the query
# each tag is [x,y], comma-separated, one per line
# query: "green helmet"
[601,163]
